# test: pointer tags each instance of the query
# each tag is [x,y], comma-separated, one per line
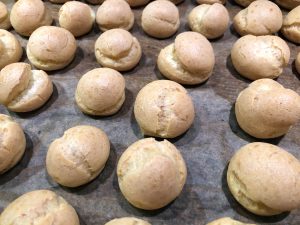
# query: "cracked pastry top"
[12,143]
[151,174]
[265,179]
[266,109]
[114,14]
[23,89]
[39,207]
[288,4]
[227,221]
[76,17]
[211,21]
[164,109]
[51,48]
[127,221]
[10,48]
[256,57]
[4,17]
[291,25]
[189,60]
[100,92]
[261,17]
[118,49]
[28,15]
[78,157]
[160,19]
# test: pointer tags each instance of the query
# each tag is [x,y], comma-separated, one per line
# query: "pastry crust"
[227,221]
[264,179]
[151,174]
[39,207]
[28,15]
[78,157]
[160,19]
[127,221]
[291,25]
[4,17]
[118,49]
[164,109]
[114,14]
[256,57]
[255,109]
[51,48]
[12,143]
[100,92]
[261,17]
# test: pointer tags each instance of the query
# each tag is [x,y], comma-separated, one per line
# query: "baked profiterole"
[189,60]
[227,221]
[160,19]
[76,17]
[127,221]
[10,48]
[291,25]
[100,92]
[151,174]
[12,143]
[4,17]
[118,49]
[39,207]
[28,15]
[266,109]
[51,48]
[210,2]
[164,109]
[288,4]
[264,179]
[114,14]
[23,89]
[261,17]
[78,156]
[209,20]
[256,57]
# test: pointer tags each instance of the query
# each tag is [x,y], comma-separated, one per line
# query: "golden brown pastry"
[164,109]
[127,221]
[12,143]
[264,179]
[209,20]
[227,221]
[51,48]
[118,49]
[10,48]
[114,14]
[266,109]
[151,174]
[160,19]
[100,92]
[291,25]
[23,89]
[4,17]
[76,17]
[261,17]
[256,57]
[39,207]
[78,157]
[189,60]
[28,15]
[288,4]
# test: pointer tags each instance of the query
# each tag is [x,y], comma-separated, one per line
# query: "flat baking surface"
[207,146]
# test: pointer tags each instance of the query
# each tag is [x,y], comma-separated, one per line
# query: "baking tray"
[207,146]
